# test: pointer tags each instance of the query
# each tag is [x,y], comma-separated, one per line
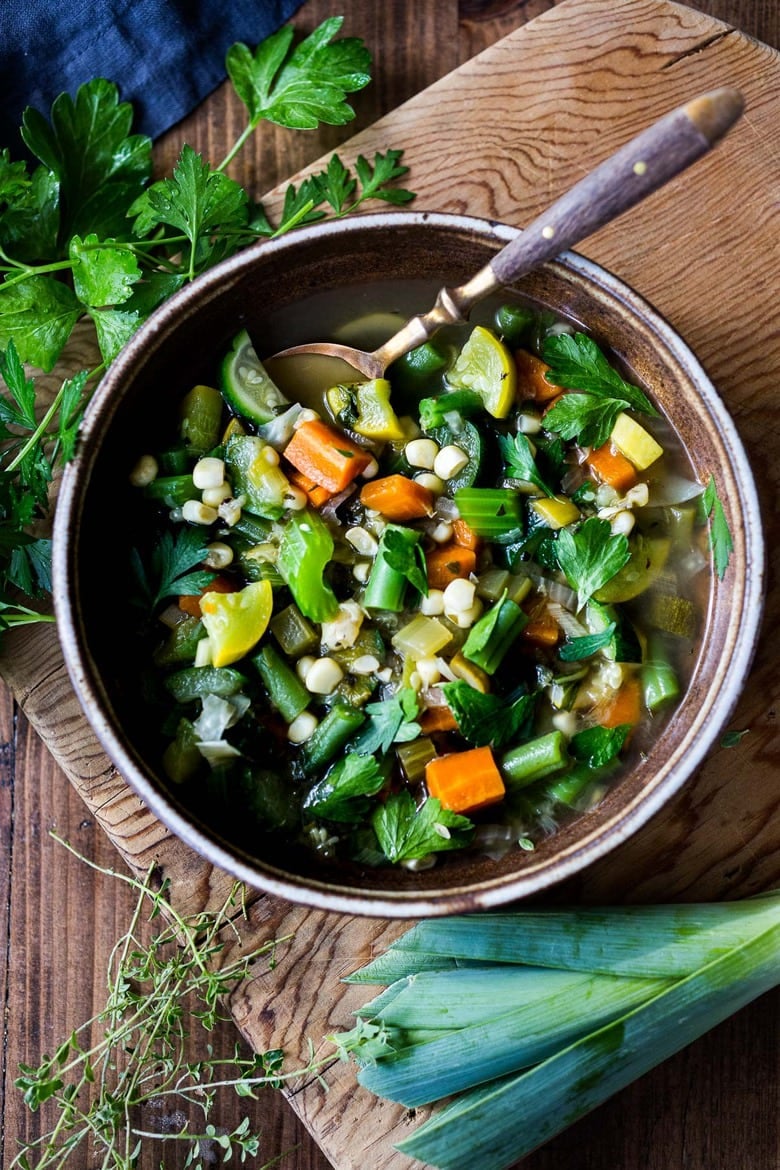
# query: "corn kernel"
[208,472]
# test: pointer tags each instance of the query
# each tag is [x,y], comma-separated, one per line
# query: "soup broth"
[435,612]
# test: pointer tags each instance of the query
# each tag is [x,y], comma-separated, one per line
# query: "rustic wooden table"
[714,1106]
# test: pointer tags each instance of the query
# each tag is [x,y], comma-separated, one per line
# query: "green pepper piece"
[305,550]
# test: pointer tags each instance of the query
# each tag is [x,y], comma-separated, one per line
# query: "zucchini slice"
[245,384]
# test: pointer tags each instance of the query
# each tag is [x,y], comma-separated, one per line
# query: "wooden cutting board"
[501,137]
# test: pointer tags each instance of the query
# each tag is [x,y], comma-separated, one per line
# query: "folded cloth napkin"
[164,55]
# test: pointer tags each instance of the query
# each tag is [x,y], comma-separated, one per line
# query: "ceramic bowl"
[182,342]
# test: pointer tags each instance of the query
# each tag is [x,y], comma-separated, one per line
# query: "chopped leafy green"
[721,541]
[485,719]
[598,746]
[576,649]
[519,461]
[590,555]
[343,793]
[390,721]
[577,363]
[170,564]
[408,833]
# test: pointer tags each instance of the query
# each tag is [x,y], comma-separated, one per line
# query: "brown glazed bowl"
[181,345]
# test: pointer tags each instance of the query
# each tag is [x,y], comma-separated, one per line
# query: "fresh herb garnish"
[519,462]
[575,649]
[590,556]
[577,363]
[406,557]
[598,746]
[730,739]
[342,794]
[115,1074]
[721,541]
[84,234]
[169,565]
[408,833]
[390,721]
[487,718]
[601,394]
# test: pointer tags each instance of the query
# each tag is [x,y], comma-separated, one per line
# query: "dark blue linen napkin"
[164,55]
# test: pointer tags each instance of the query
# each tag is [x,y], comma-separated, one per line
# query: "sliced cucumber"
[246,385]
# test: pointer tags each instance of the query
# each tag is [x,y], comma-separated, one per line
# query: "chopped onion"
[673,489]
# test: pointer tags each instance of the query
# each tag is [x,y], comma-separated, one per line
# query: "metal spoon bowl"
[635,171]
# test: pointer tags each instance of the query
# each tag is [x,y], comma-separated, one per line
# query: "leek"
[526,1021]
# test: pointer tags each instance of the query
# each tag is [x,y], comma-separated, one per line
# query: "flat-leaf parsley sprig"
[86,235]
[162,980]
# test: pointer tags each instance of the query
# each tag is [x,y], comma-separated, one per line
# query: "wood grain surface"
[556,96]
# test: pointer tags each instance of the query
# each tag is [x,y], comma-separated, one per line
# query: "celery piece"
[422,637]
[285,689]
[181,643]
[660,684]
[306,548]
[294,634]
[533,760]
[490,512]
[491,637]
[413,757]
[672,613]
[201,418]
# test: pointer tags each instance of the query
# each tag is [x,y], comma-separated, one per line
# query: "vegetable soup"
[383,621]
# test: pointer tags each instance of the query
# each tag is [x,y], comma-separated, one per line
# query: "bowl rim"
[489,893]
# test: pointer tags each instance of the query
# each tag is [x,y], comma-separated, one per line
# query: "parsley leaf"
[519,462]
[584,417]
[575,649]
[390,721]
[406,556]
[171,560]
[577,363]
[343,793]
[485,719]
[38,314]
[374,177]
[88,147]
[406,833]
[590,556]
[302,86]
[102,274]
[721,541]
[598,746]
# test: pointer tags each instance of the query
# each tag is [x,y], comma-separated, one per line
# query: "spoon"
[637,169]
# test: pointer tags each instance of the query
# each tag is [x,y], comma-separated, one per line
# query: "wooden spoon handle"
[636,170]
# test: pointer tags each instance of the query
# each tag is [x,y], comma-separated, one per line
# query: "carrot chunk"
[625,706]
[317,494]
[612,468]
[397,498]
[190,602]
[542,628]
[446,562]
[465,781]
[464,535]
[326,456]
[437,719]
[531,382]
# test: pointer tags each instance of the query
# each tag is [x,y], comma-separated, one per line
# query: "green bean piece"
[175,460]
[285,689]
[660,683]
[172,490]
[514,322]
[196,681]
[536,759]
[330,735]
[201,418]
[386,586]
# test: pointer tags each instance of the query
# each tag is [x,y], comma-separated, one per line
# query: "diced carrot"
[531,382]
[445,562]
[437,719]
[465,781]
[542,628]
[610,467]
[464,535]
[317,494]
[625,706]
[190,602]
[326,455]
[397,497]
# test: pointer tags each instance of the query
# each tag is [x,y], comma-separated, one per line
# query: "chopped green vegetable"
[306,548]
